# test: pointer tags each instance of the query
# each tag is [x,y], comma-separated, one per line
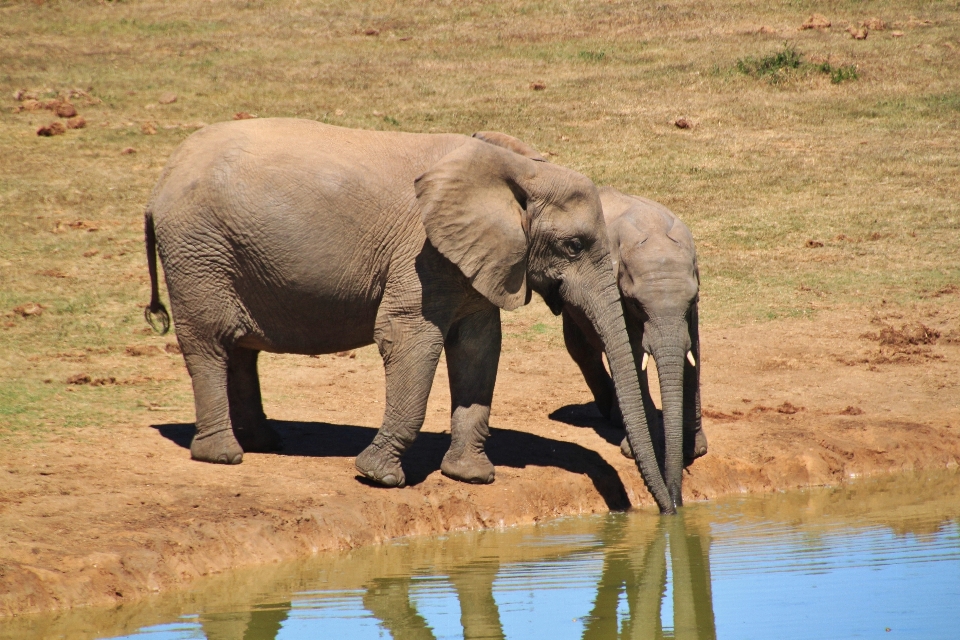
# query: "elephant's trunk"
[603,309]
[667,344]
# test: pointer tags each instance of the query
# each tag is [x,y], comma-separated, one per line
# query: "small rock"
[52,129]
[148,129]
[683,123]
[128,151]
[76,122]
[29,309]
[813,244]
[538,86]
[66,110]
[816,21]
[167,98]
[243,115]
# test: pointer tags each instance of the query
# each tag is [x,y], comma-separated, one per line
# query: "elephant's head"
[515,225]
[658,277]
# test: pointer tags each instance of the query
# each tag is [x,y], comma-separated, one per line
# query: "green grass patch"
[787,62]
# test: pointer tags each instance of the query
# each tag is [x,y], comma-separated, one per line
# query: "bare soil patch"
[120,513]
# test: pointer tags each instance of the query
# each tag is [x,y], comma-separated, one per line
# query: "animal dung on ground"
[538,86]
[82,378]
[128,151]
[815,21]
[28,309]
[857,34]
[52,129]
[66,110]
[76,122]
[167,98]
[371,32]
[143,350]
[683,123]
[172,347]
[813,244]
[29,105]
[788,409]
[852,411]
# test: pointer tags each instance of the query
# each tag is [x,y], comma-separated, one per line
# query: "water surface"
[877,559]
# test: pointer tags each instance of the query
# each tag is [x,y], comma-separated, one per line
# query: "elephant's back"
[294,215]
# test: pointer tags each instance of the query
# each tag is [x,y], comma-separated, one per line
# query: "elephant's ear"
[509,142]
[473,205]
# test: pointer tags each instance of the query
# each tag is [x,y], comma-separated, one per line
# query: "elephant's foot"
[468,466]
[220,447]
[698,450]
[259,438]
[381,465]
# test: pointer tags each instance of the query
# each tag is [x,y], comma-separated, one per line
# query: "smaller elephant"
[657,273]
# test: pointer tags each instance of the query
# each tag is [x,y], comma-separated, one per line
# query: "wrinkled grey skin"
[291,236]
[659,280]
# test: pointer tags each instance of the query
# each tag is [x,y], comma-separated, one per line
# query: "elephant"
[659,280]
[293,236]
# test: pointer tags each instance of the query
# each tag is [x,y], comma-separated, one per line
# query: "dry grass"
[869,167]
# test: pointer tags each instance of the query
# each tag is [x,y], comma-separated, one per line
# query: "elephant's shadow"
[505,447]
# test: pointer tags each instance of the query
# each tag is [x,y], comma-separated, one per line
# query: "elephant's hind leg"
[473,353]
[214,440]
[246,405]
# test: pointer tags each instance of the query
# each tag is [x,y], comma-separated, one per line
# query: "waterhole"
[879,558]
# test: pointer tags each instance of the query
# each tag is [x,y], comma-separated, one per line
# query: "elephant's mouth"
[553,298]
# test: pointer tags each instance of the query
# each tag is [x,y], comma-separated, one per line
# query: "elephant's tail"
[155,314]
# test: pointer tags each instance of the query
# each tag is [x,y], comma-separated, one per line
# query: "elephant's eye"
[574,247]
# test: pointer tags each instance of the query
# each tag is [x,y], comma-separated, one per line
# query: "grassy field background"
[803,193]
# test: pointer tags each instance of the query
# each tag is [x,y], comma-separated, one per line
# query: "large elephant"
[298,237]
[659,281]
[656,264]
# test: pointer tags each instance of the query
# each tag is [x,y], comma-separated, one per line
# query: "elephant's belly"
[312,326]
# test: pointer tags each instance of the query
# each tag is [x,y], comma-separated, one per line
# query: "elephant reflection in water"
[634,564]
[389,600]
[640,572]
[260,623]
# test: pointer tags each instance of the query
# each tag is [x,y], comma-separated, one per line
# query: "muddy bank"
[113,515]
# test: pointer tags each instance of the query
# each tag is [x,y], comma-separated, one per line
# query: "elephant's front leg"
[410,349]
[590,360]
[473,354]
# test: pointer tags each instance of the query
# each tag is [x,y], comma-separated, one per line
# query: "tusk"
[691,359]
[643,363]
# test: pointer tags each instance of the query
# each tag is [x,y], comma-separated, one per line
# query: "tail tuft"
[153,315]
